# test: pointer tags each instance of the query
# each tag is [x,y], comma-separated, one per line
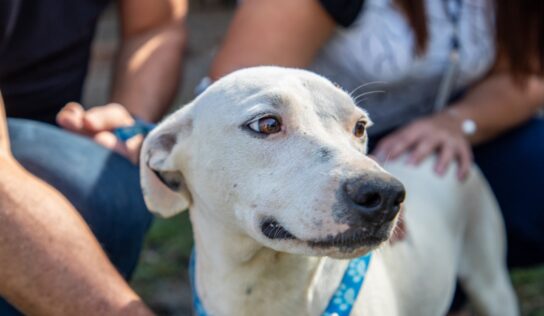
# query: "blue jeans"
[513,164]
[103,186]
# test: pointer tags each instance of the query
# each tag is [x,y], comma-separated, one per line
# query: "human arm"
[50,262]
[146,74]
[496,104]
[148,65]
[273,32]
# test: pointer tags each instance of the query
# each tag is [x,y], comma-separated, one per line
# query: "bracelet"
[468,126]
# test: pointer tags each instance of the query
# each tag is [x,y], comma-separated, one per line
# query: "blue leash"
[142,127]
[346,294]
[341,302]
[139,127]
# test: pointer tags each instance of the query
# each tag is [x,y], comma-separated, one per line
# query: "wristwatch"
[468,126]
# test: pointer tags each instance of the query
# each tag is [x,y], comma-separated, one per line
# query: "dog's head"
[280,155]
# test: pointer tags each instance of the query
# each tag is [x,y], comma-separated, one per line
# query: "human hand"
[440,134]
[98,123]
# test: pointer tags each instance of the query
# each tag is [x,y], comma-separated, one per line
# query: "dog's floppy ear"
[163,185]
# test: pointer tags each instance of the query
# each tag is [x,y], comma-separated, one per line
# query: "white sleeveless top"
[380,46]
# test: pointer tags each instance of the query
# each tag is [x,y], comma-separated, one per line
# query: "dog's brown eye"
[266,125]
[359,129]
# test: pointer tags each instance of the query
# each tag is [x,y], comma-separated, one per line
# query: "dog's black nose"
[376,196]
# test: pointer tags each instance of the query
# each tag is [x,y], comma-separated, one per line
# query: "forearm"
[498,104]
[51,263]
[148,71]
[273,32]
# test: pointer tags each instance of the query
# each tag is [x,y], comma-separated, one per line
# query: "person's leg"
[514,166]
[103,186]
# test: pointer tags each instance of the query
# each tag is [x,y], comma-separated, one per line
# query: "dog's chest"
[291,285]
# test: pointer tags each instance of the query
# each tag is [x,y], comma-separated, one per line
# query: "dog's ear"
[163,185]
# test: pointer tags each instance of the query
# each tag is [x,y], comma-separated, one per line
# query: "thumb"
[106,118]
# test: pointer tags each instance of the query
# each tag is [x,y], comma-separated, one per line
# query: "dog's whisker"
[366,85]
[362,94]
[387,158]
[276,231]
[361,101]
[367,93]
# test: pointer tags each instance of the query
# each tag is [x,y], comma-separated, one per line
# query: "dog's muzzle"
[369,204]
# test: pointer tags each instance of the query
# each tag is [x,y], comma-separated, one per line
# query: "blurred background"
[161,278]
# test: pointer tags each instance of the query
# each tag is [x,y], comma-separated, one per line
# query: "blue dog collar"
[341,302]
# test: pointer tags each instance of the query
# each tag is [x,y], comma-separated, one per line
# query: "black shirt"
[343,12]
[45,49]
[44,53]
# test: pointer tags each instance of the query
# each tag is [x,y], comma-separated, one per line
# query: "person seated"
[70,196]
[461,81]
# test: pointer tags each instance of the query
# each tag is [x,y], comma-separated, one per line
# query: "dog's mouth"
[273,230]
[353,239]
[347,241]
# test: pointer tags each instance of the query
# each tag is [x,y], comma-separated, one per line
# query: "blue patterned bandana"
[341,302]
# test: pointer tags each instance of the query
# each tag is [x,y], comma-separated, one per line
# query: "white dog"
[272,164]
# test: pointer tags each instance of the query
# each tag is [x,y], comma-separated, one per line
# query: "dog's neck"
[235,275]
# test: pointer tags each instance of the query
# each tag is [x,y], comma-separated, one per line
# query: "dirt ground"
[161,277]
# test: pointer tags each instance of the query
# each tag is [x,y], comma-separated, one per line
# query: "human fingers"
[70,117]
[107,118]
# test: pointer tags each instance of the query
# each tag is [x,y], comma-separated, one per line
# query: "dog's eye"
[266,125]
[359,129]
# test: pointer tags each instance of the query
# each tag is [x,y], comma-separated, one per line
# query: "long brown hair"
[519,33]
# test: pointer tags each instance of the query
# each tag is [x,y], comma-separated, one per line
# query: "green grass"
[165,256]
[529,285]
[169,242]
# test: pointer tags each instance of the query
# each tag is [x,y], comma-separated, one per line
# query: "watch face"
[468,127]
